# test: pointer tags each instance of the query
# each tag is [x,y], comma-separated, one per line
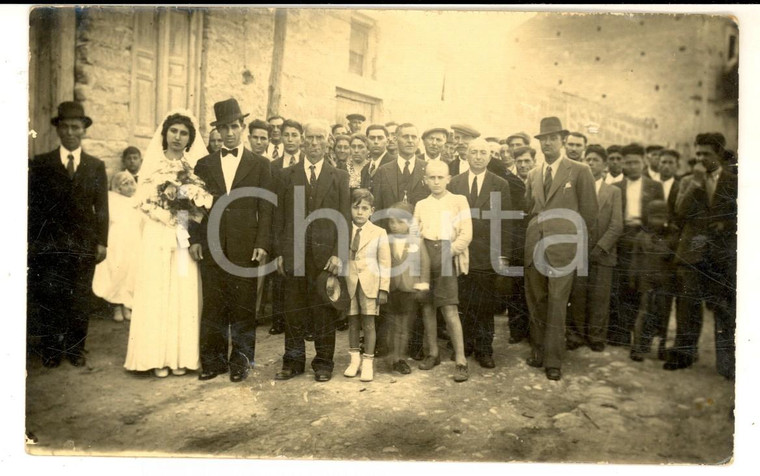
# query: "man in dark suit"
[308,187]
[706,257]
[68,236]
[434,140]
[477,294]
[229,297]
[559,185]
[402,179]
[636,193]
[378,137]
[590,299]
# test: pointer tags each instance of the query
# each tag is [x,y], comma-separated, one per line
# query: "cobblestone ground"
[606,408]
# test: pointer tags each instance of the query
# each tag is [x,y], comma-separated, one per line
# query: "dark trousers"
[478,303]
[61,288]
[626,294]
[302,307]
[547,301]
[697,283]
[517,306]
[590,306]
[229,311]
[275,282]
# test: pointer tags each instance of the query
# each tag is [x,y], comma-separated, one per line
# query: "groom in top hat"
[562,186]
[68,235]
[229,300]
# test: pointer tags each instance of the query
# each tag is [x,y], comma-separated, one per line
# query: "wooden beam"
[278,54]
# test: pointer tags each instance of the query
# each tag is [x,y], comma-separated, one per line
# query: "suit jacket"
[700,240]
[385,186]
[246,223]
[367,178]
[518,227]
[332,193]
[480,246]
[573,189]
[66,214]
[672,196]
[454,167]
[650,190]
[609,224]
[414,252]
[372,266]
[497,167]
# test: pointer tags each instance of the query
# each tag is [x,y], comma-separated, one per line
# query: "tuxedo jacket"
[66,214]
[367,179]
[573,189]
[372,265]
[609,224]
[331,192]
[699,239]
[650,190]
[480,246]
[246,223]
[385,185]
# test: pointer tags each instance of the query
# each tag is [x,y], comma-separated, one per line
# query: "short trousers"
[362,305]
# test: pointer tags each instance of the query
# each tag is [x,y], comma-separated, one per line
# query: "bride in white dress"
[165,327]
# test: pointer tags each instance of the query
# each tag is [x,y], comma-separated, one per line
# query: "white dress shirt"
[427,158]
[554,166]
[598,185]
[402,163]
[464,166]
[667,185]
[230,165]
[374,164]
[633,202]
[65,156]
[609,179]
[317,168]
[280,150]
[479,177]
[654,175]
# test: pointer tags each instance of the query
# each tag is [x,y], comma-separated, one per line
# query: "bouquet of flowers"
[175,195]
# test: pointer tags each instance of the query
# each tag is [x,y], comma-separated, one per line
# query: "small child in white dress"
[114,278]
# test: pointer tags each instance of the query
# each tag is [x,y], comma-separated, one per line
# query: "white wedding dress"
[165,326]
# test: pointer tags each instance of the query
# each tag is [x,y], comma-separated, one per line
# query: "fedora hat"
[71,110]
[333,290]
[551,125]
[227,111]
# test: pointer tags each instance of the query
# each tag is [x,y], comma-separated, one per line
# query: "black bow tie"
[229,151]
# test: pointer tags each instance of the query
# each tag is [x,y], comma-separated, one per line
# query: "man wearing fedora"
[229,300]
[307,187]
[556,185]
[68,236]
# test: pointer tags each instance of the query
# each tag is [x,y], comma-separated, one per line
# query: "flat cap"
[356,116]
[440,130]
[519,135]
[465,129]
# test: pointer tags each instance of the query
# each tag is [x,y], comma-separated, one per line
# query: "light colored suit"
[609,224]
[572,189]
[372,265]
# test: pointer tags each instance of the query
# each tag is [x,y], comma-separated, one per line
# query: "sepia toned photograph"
[388,235]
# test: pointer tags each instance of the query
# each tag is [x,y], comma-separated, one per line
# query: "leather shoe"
[276,330]
[429,362]
[77,360]
[208,375]
[533,362]
[596,346]
[402,367]
[342,326]
[516,339]
[678,362]
[239,374]
[486,361]
[637,357]
[322,375]
[286,374]
[572,345]
[553,374]
[308,337]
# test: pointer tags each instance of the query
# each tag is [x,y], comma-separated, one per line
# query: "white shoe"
[117,314]
[368,368]
[353,367]
[161,373]
[127,314]
[178,372]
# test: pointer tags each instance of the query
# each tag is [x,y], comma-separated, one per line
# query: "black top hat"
[227,111]
[551,125]
[71,110]
[333,290]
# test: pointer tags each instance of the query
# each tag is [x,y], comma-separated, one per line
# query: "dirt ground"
[606,408]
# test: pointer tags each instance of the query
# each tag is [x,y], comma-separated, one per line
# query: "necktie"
[313,177]
[292,161]
[225,152]
[406,170]
[275,152]
[371,169]
[547,181]
[474,192]
[710,183]
[355,243]
[70,166]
